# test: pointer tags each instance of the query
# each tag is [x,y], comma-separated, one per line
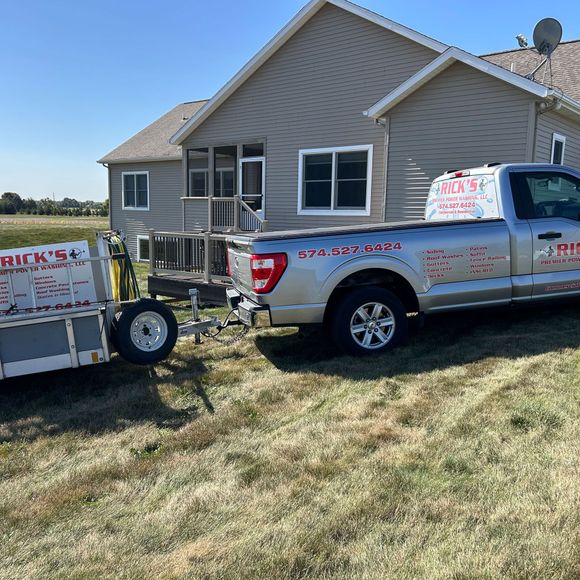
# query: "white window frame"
[334,150]
[561,139]
[134,207]
[139,239]
[206,171]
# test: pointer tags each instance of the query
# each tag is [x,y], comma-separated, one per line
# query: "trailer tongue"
[68,305]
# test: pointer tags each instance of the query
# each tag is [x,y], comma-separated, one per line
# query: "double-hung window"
[223,182]
[335,180]
[198,183]
[136,190]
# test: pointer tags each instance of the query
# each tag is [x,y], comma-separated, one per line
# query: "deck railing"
[234,213]
[197,255]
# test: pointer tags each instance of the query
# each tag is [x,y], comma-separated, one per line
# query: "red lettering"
[60,255]
[461,186]
[25,258]
[444,187]
[18,260]
[6,261]
[39,257]
[562,249]
[473,185]
[453,187]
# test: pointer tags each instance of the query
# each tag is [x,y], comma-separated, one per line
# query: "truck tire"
[369,320]
[145,332]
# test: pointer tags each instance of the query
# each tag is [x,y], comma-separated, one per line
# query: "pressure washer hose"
[123,279]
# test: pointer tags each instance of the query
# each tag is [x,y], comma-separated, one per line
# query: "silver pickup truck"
[493,235]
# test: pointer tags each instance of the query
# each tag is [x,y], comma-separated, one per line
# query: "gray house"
[343,117]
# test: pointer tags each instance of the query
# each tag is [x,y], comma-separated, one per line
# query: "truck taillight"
[266,270]
[464,173]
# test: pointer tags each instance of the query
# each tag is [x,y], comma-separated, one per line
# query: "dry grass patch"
[453,457]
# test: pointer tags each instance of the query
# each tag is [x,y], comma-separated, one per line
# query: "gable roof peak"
[299,20]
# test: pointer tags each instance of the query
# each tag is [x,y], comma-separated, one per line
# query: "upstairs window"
[335,180]
[558,146]
[136,190]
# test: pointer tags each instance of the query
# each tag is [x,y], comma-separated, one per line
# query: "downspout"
[385,123]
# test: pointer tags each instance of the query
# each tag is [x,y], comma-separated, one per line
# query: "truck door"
[550,201]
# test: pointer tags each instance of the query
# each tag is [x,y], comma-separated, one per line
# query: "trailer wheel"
[145,332]
[369,320]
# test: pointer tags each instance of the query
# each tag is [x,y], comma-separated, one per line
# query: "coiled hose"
[123,279]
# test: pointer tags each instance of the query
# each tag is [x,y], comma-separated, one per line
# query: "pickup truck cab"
[495,235]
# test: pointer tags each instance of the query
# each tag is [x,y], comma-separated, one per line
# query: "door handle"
[549,236]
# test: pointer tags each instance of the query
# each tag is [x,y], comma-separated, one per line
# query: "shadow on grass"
[445,340]
[100,398]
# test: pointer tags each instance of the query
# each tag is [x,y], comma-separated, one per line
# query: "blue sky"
[77,78]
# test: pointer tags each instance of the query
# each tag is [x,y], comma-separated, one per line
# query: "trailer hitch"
[200,328]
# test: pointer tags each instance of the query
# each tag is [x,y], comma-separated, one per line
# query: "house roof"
[453,55]
[152,143]
[565,66]
[280,39]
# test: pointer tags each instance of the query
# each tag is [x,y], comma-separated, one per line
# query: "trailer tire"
[145,332]
[369,320]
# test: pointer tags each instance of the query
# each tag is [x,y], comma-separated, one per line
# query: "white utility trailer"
[68,305]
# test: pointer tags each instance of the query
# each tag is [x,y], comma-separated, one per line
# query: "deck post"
[207,257]
[236,213]
[152,252]
[264,225]
[210,186]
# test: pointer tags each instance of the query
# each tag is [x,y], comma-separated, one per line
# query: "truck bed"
[358,229]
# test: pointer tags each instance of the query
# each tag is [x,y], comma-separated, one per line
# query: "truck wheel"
[145,332]
[369,320]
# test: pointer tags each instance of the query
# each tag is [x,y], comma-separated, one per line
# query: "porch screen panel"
[252,184]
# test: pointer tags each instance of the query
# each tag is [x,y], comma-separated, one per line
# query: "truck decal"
[462,198]
[349,250]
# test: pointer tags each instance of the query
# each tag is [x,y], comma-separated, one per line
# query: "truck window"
[545,194]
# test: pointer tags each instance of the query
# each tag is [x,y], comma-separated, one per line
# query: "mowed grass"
[23,230]
[453,457]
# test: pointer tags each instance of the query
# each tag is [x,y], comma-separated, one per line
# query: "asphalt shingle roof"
[152,143]
[565,66]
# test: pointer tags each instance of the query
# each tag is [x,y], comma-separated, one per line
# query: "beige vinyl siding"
[462,118]
[165,213]
[312,94]
[550,123]
[195,214]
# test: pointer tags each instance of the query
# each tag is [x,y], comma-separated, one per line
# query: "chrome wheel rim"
[148,331]
[372,325]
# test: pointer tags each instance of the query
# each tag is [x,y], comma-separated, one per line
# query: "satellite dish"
[547,36]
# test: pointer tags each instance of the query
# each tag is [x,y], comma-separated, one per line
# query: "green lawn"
[453,457]
[22,230]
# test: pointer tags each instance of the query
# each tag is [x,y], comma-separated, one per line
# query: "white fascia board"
[390,25]
[248,69]
[444,61]
[280,39]
[570,105]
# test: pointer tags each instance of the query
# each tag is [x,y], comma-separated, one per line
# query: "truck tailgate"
[239,263]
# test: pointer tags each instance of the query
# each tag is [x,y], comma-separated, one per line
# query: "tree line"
[12,203]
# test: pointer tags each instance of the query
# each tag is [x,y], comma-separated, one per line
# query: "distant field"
[25,230]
